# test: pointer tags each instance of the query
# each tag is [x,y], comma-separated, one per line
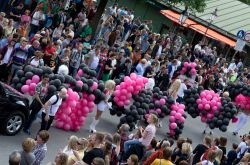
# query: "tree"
[196,5]
[100,9]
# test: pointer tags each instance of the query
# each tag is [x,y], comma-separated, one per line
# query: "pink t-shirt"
[150,129]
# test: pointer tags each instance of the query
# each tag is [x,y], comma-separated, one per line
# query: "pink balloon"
[185,64]
[91,105]
[91,97]
[35,79]
[162,101]
[80,72]
[28,82]
[80,83]
[25,88]
[145,80]
[66,127]
[72,104]
[172,119]
[32,86]
[207,107]
[67,110]
[85,110]
[209,97]
[172,113]
[193,65]
[173,125]
[182,119]
[91,110]
[203,119]
[181,111]
[200,106]
[177,115]
[158,110]
[59,124]
[94,86]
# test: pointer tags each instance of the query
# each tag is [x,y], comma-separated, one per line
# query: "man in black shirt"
[149,70]
[96,140]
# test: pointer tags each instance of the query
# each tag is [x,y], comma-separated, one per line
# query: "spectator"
[61,159]
[201,148]
[232,154]
[245,160]
[150,149]
[96,151]
[133,160]
[27,157]
[210,160]
[185,154]
[76,59]
[41,147]
[72,146]
[166,159]
[18,58]
[37,60]
[219,157]
[15,158]
[140,68]
[147,134]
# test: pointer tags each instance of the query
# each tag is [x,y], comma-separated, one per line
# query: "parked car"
[14,110]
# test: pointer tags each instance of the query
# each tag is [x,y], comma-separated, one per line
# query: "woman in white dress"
[103,105]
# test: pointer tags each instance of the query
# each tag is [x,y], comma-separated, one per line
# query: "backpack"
[237,160]
[114,157]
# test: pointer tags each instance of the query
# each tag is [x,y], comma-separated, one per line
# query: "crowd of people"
[59,35]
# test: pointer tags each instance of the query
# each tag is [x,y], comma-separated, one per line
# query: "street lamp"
[183,16]
[212,17]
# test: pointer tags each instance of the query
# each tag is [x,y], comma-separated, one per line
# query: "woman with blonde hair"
[174,88]
[61,159]
[27,157]
[103,105]
[186,153]
[82,144]
[245,160]
[218,158]
[72,145]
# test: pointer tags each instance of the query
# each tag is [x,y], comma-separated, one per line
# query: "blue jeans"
[128,143]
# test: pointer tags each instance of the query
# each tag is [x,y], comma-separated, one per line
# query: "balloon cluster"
[222,117]
[159,104]
[28,76]
[208,103]
[176,120]
[131,86]
[243,102]
[190,97]
[188,69]
[31,84]
[83,92]
[236,89]
[74,110]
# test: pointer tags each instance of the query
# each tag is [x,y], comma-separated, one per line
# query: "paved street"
[193,129]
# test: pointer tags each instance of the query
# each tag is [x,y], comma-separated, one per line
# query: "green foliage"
[246,1]
[196,5]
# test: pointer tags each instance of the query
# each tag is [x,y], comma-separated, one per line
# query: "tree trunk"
[100,9]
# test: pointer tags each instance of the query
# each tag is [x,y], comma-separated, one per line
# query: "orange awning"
[198,27]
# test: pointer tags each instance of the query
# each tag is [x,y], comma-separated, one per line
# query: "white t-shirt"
[34,62]
[243,146]
[36,17]
[95,62]
[6,58]
[53,108]
[197,47]
[181,90]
